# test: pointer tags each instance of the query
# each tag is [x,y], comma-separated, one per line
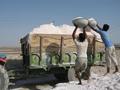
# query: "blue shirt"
[105,37]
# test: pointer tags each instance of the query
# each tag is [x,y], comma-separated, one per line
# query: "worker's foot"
[108,71]
[116,69]
[105,74]
[79,83]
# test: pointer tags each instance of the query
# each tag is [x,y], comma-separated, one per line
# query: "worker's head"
[106,27]
[81,37]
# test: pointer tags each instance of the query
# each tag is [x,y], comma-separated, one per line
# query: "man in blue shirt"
[110,54]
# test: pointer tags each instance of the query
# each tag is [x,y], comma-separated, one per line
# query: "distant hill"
[10,49]
[117,45]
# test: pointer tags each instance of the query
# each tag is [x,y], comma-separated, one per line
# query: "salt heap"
[58,30]
[108,82]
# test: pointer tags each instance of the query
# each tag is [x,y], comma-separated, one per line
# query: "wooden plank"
[61,49]
[94,48]
[40,51]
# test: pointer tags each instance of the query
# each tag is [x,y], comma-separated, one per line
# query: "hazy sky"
[18,17]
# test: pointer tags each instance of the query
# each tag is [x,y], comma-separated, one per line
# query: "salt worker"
[110,54]
[81,43]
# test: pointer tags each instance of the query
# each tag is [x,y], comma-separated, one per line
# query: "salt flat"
[97,82]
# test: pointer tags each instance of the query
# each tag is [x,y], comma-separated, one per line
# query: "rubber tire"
[4,80]
[71,75]
[61,76]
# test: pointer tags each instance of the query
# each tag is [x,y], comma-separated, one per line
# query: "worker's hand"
[88,29]
[97,24]
[98,27]
[84,27]
[75,26]
[89,24]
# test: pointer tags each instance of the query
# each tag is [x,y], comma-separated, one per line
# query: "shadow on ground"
[40,83]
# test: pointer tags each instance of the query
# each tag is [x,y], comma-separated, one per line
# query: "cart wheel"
[61,76]
[71,74]
[4,80]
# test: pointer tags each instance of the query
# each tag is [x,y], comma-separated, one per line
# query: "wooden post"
[94,49]
[40,51]
[61,49]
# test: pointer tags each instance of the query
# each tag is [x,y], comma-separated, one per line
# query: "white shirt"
[81,47]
